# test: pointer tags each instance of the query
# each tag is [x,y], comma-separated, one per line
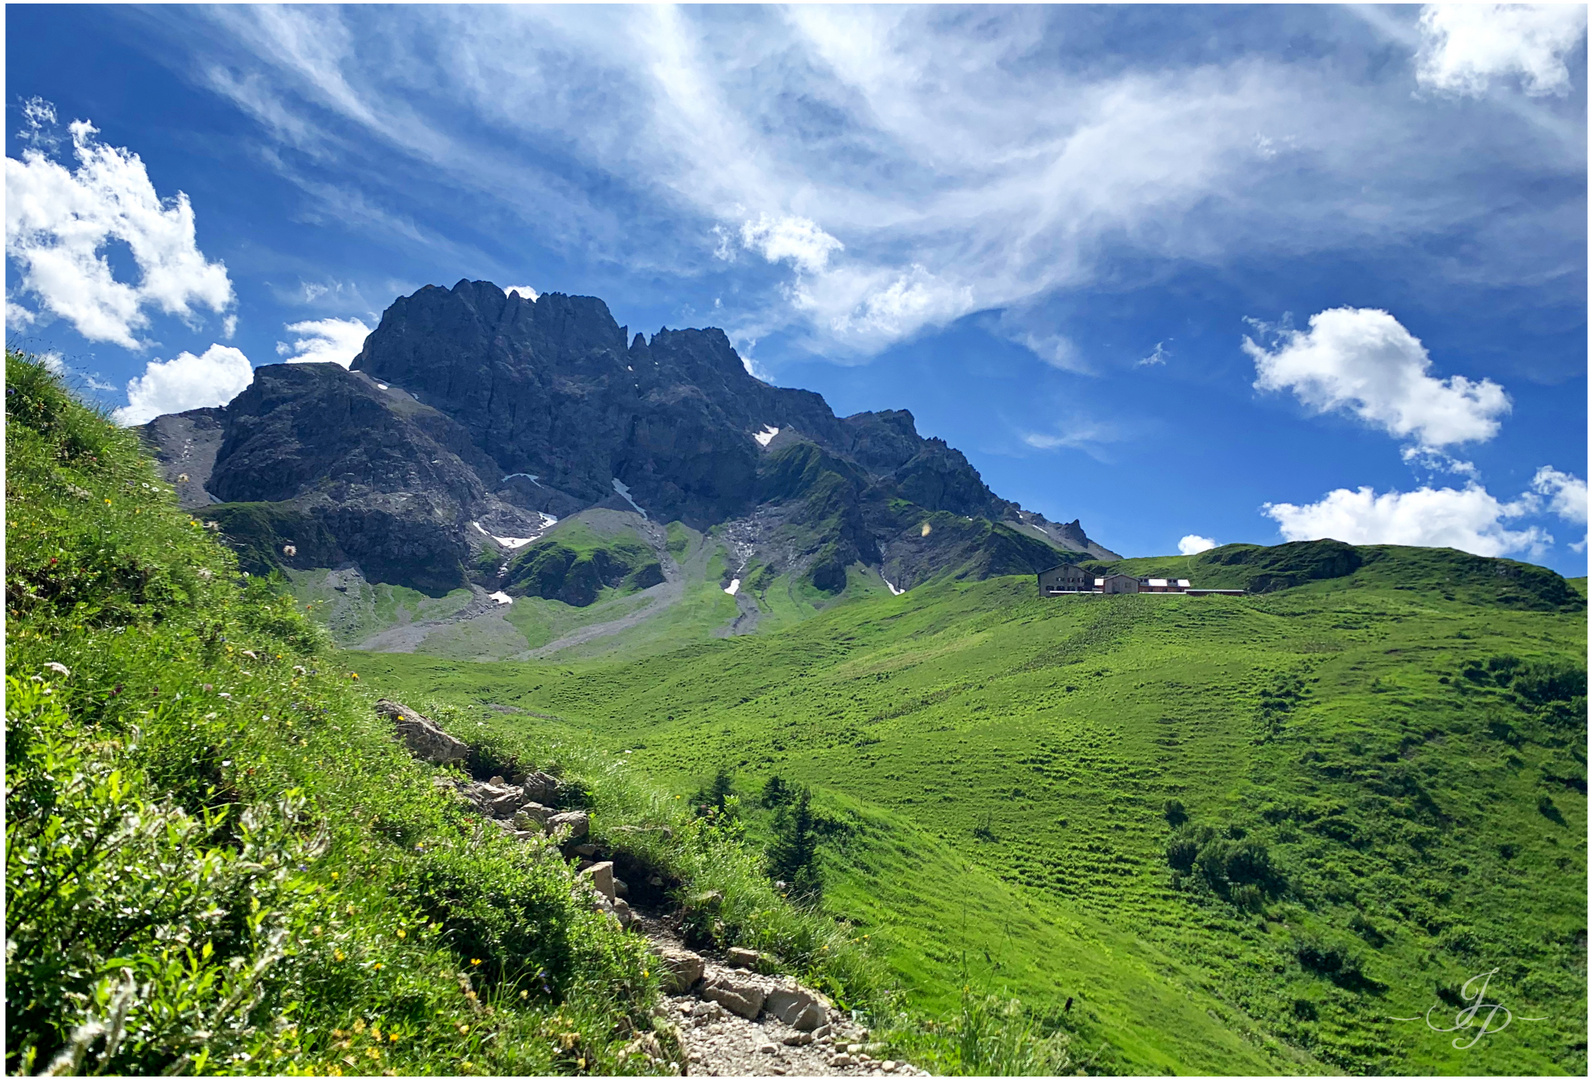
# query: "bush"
[1182,850]
[1328,955]
[1173,810]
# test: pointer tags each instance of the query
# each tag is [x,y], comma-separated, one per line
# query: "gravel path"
[720,1043]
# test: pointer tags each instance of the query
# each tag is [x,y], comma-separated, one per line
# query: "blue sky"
[1187,274]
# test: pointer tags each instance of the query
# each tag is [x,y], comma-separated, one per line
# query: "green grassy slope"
[1376,813]
[220,860]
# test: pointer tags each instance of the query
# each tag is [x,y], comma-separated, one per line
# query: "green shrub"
[1173,810]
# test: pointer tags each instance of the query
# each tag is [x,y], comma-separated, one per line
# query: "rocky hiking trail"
[729,1018]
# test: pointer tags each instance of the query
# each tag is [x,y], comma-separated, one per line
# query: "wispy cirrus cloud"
[894,168]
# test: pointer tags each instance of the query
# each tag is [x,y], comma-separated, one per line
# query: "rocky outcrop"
[425,739]
[575,821]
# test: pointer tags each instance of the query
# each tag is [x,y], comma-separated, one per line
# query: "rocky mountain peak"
[469,405]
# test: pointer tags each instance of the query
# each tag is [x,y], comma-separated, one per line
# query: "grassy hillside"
[219,859]
[1242,833]
[575,563]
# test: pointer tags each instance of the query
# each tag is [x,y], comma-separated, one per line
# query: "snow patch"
[894,590]
[382,386]
[510,542]
[501,597]
[766,436]
[512,475]
[625,493]
[734,587]
[548,520]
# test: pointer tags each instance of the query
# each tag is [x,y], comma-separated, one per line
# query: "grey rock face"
[744,958]
[532,816]
[539,786]
[795,1006]
[681,968]
[425,739]
[601,875]
[494,797]
[744,997]
[576,820]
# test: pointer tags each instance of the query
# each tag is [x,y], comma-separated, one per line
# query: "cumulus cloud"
[1465,46]
[1194,544]
[1567,497]
[60,223]
[53,362]
[1467,518]
[523,290]
[324,341]
[794,239]
[1362,361]
[185,382]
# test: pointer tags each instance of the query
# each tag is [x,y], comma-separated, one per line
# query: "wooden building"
[1118,583]
[1065,578]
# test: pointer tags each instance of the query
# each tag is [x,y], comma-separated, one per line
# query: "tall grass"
[219,859]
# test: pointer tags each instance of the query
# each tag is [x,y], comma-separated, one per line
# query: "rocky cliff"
[473,419]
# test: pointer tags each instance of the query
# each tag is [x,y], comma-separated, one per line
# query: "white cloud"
[1465,46]
[59,224]
[1467,518]
[524,290]
[1079,433]
[323,341]
[795,239]
[1194,544]
[39,116]
[1158,355]
[1567,494]
[1362,361]
[53,362]
[185,382]
[1014,154]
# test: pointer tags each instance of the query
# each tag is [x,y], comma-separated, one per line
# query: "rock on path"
[734,1022]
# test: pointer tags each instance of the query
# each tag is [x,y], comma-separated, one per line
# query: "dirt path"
[718,1042]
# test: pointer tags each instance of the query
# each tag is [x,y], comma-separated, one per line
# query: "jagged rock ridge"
[471,414]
